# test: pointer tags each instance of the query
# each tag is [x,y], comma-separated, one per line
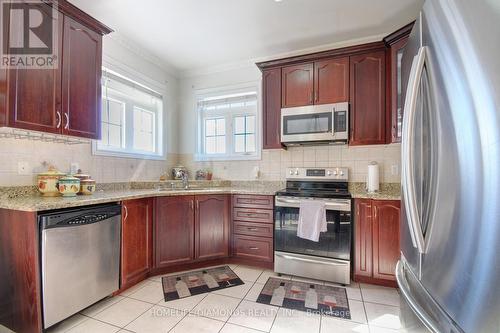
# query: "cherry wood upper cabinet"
[271,108]
[81,92]
[363,238]
[174,230]
[211,226]
[34,95]
[367,96]
[331,81]
[297,85]
[137,240]
[385,238]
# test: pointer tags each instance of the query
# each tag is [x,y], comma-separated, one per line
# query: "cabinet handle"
[252,229]
[191,203]
[197,205]
[311,97]
[59,119]
[126,212]
[375,212]
[67,120]
[253,248]
[315,96]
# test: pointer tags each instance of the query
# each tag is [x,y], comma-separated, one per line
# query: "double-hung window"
[131,119]
[227,125]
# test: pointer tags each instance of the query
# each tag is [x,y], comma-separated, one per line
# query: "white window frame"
[229,155]
[130,74]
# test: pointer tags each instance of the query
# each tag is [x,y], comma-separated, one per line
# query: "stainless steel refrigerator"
[449,272]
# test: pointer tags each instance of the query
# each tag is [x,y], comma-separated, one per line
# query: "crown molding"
[143,54]
[201,71]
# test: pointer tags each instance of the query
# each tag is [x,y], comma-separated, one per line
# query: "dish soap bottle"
[311,301]
[182,288]
[278,295]
[209,280]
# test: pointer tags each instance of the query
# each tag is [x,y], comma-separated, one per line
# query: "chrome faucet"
[184,178]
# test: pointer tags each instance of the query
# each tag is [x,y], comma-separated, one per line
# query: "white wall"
[104,169]
[273,163]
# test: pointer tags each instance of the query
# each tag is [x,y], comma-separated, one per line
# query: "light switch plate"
[395,169]
[23,168]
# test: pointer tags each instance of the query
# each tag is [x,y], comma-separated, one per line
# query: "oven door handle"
[293,203]
[337,263]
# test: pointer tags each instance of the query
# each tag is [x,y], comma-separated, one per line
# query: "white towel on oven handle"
[312,219]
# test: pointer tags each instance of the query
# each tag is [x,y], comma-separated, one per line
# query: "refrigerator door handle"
[407,295]
[407,151]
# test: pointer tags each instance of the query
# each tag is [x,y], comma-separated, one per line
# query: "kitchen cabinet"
[367,98]
[211,226]
[253,226]
[137,240]
[376,234]
[65,100]
[297,85]
[331,81]
[174,230]
[81,80]
[395,44]
[271,108]
[191,228]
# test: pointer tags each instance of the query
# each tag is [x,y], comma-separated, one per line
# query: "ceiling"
[195,34]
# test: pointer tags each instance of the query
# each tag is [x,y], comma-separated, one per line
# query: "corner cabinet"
[367,91]
[191,228]
[65,100]
[376,245]
[271,108]
[137,241]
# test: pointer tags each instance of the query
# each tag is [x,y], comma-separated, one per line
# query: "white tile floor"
[234,310]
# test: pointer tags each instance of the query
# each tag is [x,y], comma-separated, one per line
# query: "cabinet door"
[81,80]
[367,95]
[212,226]
[385,238]
[34,100]
[363,238]
[137,238]
[331,81]
[271,108]
[297,85]
[396,90]
[174,230]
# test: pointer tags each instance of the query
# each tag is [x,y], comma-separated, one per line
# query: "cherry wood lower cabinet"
[376,230]
[191,228]
[253,226]
[137,241]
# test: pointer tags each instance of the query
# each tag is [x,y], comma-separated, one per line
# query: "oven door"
[307,123]
[334,243]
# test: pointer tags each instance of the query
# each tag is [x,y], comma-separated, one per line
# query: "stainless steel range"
[329,258]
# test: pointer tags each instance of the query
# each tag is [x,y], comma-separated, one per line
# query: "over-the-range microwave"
[315,124]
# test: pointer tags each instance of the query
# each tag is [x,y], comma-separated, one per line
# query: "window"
[227,125]
[131,119]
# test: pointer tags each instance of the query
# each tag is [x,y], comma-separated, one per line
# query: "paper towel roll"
[372,181]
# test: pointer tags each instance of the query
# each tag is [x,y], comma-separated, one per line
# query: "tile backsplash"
[38,155]
[274,162]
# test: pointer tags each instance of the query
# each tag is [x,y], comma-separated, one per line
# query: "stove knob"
[297,172]
[335,173]
[329,173]
[291,172]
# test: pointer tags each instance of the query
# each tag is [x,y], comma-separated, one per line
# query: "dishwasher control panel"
[79,216]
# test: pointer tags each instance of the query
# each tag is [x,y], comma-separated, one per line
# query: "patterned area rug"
[198,282]
[305,296]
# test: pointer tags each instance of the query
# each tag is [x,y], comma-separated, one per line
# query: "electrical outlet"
[23,168]
[395,169]
[74,166]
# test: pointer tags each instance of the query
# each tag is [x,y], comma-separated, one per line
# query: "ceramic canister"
[87,186]
[69,186]
[47,182]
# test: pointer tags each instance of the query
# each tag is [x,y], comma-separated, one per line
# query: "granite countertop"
[388,191]
[34,202]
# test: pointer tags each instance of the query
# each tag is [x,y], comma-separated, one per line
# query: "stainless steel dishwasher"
[80,260]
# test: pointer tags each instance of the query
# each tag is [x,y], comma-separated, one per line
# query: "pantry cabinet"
[191,228]
[64,100]
[137,240]
[376,240]
[271,108]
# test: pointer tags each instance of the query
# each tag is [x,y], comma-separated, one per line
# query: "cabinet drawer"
[253,201]
[251,247]
[253,215]
[253,229]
